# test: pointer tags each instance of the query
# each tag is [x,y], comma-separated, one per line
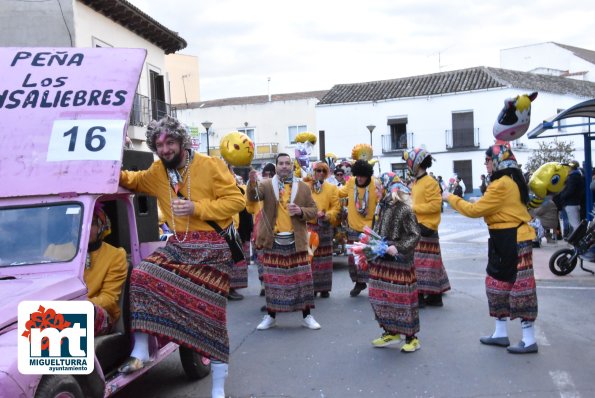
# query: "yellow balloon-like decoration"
[237,149]
[548,179]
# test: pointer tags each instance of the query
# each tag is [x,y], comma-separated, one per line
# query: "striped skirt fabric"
[393,295]
[515,299]
[355,274]
[179,293]
[429,269]
[238,278]
[103,322]
[287,278]
[322,263]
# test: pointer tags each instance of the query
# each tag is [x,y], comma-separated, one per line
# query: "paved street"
[339,361]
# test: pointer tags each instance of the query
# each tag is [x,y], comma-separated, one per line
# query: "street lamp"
[371,127]
[207,125]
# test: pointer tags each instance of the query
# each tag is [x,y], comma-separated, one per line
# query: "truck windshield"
[39,234]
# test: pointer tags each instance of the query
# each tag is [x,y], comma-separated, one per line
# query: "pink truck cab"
[65,114]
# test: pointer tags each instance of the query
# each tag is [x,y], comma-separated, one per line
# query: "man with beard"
[283,237]
[361,195]
[196,261]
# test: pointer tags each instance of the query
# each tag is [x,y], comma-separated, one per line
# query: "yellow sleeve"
[344,190]
[488,204]
[432,199]
[109,294]
[335,205]
[228,199]
[146,181]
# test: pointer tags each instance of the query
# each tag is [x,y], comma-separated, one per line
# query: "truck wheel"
[561,263]
[62,386]
[195,365]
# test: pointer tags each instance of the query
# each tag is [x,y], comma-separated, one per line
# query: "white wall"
[545,55]
[270,121]
[92,28]
[428,118]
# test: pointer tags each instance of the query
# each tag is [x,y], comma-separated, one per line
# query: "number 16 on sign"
[86,140]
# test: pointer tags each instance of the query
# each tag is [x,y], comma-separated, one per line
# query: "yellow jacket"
[500,206]
[355,220]
[327,200]
[105,277]
[213,190]
[426,201]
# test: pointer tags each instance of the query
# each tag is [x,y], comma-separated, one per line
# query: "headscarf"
[414,159]
[504,163]
[502,156]
[103,223]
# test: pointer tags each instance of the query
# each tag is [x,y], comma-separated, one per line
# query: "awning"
[584,109]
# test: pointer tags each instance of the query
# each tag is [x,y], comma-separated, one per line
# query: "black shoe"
[262,292]
[357,289]
[434,300]
[421,301]
[263,308]
[520,348]
[498,341]
[234,296]
[324,294]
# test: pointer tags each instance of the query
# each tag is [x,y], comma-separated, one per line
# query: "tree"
[549,151]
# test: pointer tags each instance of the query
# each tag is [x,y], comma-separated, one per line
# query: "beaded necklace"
[174,186]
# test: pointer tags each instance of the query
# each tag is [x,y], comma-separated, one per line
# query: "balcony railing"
[462,138]
[394,146]
[145,109]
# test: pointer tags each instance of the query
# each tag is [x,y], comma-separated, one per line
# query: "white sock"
[141,346]
[218,375]
[528,333]
[500,330]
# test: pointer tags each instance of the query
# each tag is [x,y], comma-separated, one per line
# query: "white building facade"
[271,122]
[451,114]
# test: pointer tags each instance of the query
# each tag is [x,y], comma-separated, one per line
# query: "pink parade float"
[65,113]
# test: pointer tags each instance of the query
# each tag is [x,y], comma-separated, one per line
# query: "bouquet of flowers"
[370,246]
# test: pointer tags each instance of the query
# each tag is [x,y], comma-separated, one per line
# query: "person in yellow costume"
[105,273]
[195,192]
[432,279]
[510,283]
[360,192]
[283,237]
[326,197]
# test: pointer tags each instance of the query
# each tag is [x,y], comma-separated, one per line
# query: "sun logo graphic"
[56,337]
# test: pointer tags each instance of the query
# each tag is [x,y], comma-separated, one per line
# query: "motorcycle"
[564,260]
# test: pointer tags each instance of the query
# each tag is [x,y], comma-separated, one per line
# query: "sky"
[257,47]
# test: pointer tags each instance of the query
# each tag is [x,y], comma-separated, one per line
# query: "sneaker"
[267,323]
[386,339]
[411,345]
[325,294]
[310,323]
